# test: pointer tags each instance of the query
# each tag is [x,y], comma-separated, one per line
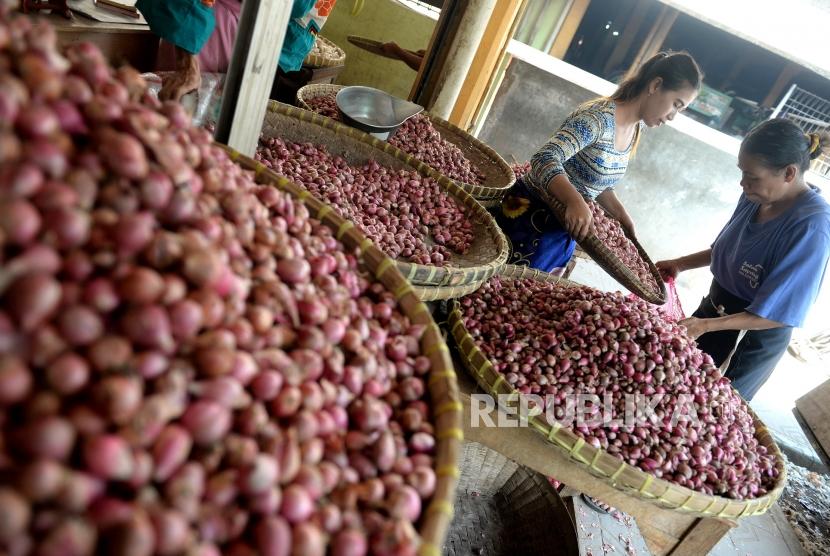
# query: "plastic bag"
[203,105]
[671,309]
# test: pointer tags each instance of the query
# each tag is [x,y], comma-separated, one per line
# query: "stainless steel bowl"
[374,111]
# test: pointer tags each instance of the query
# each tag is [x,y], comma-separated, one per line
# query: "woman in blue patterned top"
[587,156]
[769,260]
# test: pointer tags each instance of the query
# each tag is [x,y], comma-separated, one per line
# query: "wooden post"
[656,37]
[259,38]
[789,71]
[436,52]
[566,33]
[629,32]
[490,51]
[462,41]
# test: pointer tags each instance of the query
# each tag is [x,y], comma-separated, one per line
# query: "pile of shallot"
[419,138]
[609,231]
[559,341]
[189,363]
[520,169]
[407,215]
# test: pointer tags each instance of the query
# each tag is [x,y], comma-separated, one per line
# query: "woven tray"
[612,265]
[498,175]
[442,383]
[598,462]
[506,509]
[489,249]
[318,61]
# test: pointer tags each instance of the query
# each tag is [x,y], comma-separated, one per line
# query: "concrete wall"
[679,190]
[382,20]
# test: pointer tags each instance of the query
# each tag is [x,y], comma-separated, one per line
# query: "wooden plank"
[702,537]
[569,27]
[662,528]
[656,37]
[259,38]
[789,71]
[628,35]
[814,408]
[490,51]
[437,51]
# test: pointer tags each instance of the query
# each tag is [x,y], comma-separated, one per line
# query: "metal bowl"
[374,111]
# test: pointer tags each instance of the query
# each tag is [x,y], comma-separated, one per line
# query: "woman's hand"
[669,269]
[186,78]
[578,219]
[695,327]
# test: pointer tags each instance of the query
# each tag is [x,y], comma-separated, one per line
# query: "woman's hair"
[676,69]
[779,142]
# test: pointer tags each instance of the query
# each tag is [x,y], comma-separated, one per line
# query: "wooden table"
[120,42]
[667,532]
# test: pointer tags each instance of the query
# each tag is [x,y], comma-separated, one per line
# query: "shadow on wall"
[382,20]
[679,190]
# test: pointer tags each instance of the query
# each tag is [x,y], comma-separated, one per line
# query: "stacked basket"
[442,384]
[498,176]
[463,272]
[598,462]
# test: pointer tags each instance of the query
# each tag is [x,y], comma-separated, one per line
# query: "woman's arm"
[547,174]
[739,321]
[610,202]
[672,267]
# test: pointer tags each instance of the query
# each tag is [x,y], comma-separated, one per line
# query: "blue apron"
[536,237]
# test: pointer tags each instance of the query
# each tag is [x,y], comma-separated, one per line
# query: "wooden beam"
[437,50]
[702,537]
[656,37]
[628,34]
[490,51]
[256,51]
[566,33]
[789,71]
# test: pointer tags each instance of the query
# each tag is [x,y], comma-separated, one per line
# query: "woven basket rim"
[449,132]
[318,61]
[611,264]
[442,382]
[417,274]
[441,293]
[601,464]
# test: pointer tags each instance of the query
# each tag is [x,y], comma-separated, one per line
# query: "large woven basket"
[498,175]
[489,249]
[505,509]
[443,386]
[611,264]
[598,462]
[317,60]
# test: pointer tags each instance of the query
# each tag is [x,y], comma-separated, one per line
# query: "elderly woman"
[769,260]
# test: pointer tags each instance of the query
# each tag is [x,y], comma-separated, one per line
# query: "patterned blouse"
[583,148]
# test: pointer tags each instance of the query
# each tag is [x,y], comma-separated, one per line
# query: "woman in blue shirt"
[769,260]
[586,158]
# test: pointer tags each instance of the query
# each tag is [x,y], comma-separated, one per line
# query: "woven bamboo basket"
[611,264]
[505,509]
[489,249]
[598,462]
[443,386]
[317,60]
[498,175]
